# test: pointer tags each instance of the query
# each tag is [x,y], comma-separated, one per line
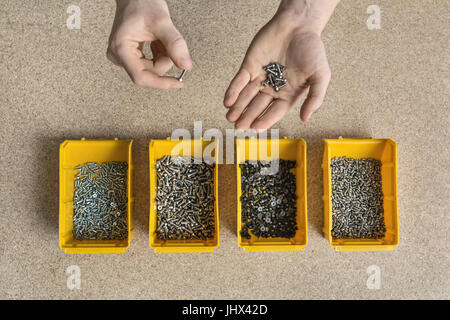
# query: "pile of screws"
[100,201]
[275,77]
[357,199]
[185,199]
[268,199]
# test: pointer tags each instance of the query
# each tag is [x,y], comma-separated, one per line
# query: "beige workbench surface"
[57,84]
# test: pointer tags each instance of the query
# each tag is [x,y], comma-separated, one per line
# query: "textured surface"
[57,84]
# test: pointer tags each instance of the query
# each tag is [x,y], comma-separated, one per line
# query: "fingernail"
[185,63]
[257,130]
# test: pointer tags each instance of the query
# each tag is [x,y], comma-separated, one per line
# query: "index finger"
[237,84]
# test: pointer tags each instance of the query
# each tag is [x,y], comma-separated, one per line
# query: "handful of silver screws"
[357,199]
[185,199]
[275,77]
[100,201]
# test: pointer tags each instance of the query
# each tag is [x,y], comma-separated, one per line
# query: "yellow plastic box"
[288,149]
[380,149]
[168,147]
[77,152]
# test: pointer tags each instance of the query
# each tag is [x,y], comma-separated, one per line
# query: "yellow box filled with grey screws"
[95,199]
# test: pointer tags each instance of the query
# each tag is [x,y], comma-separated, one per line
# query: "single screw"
[180,78]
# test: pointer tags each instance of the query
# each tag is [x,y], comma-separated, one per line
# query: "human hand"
[140,21]
[296,45]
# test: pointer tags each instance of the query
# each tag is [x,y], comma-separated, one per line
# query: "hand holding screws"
[275,77]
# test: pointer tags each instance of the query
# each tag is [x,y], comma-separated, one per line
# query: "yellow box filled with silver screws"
[184,207]
[360,194]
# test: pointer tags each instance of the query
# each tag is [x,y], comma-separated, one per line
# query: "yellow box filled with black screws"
[271,193]
[184,206]
[95,196]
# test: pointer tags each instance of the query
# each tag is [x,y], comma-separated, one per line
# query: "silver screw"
[180,78]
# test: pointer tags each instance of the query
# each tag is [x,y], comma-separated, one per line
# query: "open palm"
[251,105]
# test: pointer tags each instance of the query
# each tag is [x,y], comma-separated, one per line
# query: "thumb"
[175,46]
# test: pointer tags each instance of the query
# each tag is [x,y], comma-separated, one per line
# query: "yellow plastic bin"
[288,149]
[77,152]
[384,150]
[196,148]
